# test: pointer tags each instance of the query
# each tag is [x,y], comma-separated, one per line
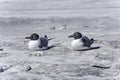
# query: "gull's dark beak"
[70,36]
[27,37]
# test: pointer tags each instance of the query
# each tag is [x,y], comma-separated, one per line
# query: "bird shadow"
[91,48]
[48,48]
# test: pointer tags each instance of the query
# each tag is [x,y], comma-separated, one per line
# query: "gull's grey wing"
[44,42]
[87,42]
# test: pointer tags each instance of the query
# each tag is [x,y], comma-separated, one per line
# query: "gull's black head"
[33,36]
[76,35]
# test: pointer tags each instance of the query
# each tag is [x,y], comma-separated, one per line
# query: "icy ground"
[60,62]
[98,19]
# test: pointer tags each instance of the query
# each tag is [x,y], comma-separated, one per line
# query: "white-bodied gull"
[36,42]
[80,42]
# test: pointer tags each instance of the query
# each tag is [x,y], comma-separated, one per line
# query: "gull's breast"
[77,44]
[34,44]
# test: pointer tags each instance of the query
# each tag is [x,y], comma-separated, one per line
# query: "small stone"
[28,68]
[1,49]
[64,27]
[1,70]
